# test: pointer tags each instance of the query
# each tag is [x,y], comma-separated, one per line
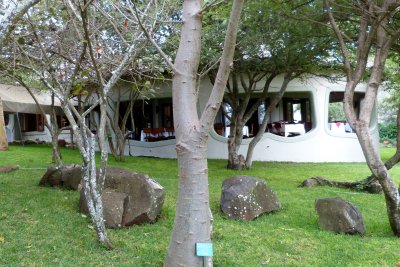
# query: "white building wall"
[317,145]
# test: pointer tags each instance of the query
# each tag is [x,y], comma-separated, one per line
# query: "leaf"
[90,226]
[85,72]
[1,239]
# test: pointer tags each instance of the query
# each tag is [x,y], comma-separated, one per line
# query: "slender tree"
[287,46]
[67,49]
[377,32]
[192,222]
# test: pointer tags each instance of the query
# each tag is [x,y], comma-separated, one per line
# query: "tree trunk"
[55,132]
[3,133]
[93,191]
[235,161]
[57,159]
[192,222]
[373,32]
[250,151]
[368,184]
[92,184]
[381,173]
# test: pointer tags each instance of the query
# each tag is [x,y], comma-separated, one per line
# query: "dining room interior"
[293,116]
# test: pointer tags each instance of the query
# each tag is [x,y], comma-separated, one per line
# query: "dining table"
[295,128]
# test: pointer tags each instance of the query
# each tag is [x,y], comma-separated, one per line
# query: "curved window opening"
[337,122]
[293,116]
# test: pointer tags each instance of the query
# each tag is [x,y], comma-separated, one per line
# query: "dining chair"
[148,137]
[159,132]
[171,132]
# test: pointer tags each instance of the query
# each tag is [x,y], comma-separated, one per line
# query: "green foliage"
[387,131]
[273,36]
[41,226]
[336,112]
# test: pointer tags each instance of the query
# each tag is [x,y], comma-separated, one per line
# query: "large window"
[292,116]
[31,122]
[154,116]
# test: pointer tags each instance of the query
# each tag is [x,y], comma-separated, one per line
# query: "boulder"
[246,198]
[128,198]
[339,216]
[66,177]
[113,206]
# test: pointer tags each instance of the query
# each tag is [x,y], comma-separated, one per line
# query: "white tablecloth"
[228,131]
[297,128]
[340,127]
[337,127]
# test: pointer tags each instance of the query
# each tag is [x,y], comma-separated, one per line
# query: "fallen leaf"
[1,239]
[90,226]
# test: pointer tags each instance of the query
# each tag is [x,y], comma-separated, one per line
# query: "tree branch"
[346,56]
[217,93]
[156,46]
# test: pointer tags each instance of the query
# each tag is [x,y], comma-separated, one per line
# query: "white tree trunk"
[192,220]
[3,134]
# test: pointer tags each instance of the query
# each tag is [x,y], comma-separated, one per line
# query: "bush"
[387,131]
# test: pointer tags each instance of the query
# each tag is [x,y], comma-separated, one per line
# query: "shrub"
[387,131]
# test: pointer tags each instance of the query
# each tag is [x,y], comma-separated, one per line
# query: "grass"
[41,226]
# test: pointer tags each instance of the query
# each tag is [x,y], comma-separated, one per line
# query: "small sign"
[204,249]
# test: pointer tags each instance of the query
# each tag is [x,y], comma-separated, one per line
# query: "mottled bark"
[92,184]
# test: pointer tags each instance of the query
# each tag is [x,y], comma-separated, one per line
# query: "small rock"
[66,177]
[339,216]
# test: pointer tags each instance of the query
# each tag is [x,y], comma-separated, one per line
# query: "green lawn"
[41,226]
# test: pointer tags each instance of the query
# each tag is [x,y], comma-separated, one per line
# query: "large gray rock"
[66,177]
[128,198]
[246,198]
[339,216]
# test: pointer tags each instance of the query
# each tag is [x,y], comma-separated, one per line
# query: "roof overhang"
[17,99]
